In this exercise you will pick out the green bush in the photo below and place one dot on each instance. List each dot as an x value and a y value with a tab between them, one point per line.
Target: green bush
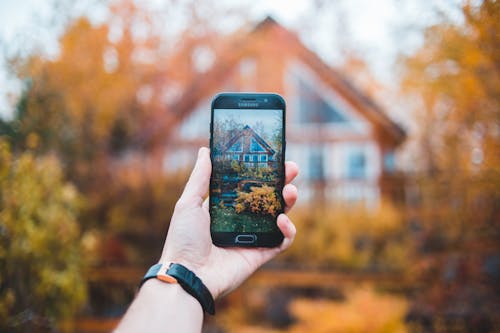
41	279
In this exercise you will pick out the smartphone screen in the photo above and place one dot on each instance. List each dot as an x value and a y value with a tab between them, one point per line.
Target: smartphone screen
247	171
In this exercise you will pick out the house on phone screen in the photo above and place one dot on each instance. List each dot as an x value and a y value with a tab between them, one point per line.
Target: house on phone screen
343	141
248	147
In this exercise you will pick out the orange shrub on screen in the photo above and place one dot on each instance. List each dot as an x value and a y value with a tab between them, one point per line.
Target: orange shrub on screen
260	200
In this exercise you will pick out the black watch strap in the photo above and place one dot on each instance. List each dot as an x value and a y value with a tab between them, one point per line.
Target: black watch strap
193	285
177	273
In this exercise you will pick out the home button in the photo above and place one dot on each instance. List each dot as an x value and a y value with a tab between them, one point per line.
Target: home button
245	239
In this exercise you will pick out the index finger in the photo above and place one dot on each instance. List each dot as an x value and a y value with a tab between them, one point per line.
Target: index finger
197	185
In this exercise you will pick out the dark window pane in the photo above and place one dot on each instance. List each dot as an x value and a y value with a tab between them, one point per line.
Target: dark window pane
316	171
236	146
357	165
389	162
255	146
314	109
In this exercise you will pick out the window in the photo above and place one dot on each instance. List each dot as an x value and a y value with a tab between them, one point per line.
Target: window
263	158
255	146
246	158
255	158
356	167
236	157
389	162
313	109
228	156
316	171
236	147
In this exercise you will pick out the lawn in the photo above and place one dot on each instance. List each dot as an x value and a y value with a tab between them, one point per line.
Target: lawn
227	220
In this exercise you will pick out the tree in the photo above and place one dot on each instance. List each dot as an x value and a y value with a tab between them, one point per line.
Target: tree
104	107
455	78
84	104
41	279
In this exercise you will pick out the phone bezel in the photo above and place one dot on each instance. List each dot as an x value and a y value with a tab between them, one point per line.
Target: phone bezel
262	101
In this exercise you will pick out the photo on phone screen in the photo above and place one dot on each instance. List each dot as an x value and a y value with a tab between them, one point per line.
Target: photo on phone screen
247	170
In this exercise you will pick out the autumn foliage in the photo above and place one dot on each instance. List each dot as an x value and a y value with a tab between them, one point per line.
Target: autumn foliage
260	200
84	123
454	79
41	262
373	239
363	311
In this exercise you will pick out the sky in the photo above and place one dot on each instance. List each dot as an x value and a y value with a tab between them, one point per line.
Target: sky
378	30
270	120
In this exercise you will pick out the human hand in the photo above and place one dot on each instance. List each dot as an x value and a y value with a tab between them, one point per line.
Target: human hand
189	241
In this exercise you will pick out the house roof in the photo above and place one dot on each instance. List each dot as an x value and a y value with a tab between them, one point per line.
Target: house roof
236	48
244	131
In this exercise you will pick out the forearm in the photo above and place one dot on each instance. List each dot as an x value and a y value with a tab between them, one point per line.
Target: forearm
162	307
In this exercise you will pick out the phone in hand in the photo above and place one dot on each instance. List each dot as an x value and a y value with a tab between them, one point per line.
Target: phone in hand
247	148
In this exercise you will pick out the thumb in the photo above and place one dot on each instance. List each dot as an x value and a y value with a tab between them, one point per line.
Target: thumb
197	185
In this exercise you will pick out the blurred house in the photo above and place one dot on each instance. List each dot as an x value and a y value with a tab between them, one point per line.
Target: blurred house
342	140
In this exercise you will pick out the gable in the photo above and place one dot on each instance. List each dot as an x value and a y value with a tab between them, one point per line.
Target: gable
247	140
316	103
260	144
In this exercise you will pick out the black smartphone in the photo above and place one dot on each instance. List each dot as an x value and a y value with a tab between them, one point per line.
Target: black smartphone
247	147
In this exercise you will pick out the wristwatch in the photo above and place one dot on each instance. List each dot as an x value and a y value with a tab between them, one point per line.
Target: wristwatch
177	273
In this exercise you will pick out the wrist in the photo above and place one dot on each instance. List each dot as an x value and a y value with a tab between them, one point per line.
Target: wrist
160	306
201	272
176	273
159	290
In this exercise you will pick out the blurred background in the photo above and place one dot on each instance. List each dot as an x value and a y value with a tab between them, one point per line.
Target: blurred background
393	116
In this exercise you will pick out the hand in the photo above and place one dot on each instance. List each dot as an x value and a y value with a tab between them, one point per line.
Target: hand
190	244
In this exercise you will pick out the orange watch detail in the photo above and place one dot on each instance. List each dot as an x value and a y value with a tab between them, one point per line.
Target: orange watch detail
166	278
